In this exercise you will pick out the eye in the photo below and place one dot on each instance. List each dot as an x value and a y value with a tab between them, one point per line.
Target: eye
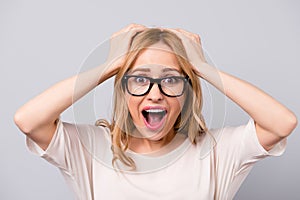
170	80
140	79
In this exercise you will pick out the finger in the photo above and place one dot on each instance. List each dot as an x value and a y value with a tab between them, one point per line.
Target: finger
183	34
134	28
195	38
191	35
131	28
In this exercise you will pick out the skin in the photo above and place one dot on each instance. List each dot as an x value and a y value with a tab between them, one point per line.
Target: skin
156	61
37	118
273	122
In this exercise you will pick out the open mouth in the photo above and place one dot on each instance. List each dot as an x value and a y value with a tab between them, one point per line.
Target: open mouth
154	117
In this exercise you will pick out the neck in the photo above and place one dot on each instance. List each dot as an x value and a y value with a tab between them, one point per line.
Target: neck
145	145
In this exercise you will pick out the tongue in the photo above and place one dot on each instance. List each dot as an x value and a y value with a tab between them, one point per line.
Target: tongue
154	118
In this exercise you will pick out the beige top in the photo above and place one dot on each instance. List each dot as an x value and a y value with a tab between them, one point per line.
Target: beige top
214	168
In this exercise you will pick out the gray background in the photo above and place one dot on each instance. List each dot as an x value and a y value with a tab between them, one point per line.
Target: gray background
42	42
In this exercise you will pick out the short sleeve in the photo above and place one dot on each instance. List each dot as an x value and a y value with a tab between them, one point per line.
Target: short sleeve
70	146
236	151
250	149
71	151
57	149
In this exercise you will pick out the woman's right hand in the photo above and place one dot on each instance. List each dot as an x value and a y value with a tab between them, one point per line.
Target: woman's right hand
119	46
37	118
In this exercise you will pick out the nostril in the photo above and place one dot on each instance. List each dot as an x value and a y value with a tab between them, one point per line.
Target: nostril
155	93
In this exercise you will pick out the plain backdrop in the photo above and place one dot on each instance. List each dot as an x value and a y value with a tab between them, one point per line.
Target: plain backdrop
43	42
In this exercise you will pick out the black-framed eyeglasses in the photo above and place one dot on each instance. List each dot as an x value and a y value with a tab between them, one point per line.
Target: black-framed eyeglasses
172	86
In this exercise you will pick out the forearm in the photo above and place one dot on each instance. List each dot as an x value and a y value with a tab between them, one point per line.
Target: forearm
47	106
265	110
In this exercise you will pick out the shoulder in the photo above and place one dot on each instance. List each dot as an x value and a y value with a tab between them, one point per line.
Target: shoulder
87	133
86	128
233	134
222	140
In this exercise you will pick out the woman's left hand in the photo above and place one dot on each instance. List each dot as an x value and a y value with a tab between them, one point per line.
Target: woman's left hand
193	48
272	123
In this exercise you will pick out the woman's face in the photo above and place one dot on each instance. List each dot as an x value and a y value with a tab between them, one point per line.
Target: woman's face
154	114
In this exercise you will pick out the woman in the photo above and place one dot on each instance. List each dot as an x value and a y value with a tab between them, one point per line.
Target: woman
155	144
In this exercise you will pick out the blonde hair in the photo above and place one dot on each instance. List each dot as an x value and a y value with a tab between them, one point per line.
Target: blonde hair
190	121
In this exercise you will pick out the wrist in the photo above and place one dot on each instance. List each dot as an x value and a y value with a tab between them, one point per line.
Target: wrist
203	70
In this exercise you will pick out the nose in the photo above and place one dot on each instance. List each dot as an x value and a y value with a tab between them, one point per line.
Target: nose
155	94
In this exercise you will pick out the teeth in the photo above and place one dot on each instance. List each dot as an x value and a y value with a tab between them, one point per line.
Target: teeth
155	111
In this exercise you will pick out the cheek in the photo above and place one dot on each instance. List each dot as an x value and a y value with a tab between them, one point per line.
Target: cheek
177	103
176	106
132	104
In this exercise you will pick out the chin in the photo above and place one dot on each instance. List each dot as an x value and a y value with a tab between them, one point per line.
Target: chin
157	135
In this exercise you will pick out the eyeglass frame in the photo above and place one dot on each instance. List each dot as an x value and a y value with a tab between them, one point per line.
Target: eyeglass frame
152	82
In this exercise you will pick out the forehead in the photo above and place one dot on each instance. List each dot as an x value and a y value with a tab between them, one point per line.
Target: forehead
157	55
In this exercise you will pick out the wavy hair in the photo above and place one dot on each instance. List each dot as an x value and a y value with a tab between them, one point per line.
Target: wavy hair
190	121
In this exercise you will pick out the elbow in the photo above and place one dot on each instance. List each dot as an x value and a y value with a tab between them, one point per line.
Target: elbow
294	122
20	121
290	124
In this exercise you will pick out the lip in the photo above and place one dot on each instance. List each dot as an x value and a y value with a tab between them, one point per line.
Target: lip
154	107
159	125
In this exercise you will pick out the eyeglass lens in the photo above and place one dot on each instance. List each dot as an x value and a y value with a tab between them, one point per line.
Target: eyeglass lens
171	86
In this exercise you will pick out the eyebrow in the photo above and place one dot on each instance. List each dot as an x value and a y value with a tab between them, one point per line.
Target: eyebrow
148	70
170	69
141	70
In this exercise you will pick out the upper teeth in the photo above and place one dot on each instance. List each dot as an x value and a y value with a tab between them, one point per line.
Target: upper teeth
155	110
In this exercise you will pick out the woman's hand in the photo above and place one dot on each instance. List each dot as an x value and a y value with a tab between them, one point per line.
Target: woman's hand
38	117
119	45
193	48
273	122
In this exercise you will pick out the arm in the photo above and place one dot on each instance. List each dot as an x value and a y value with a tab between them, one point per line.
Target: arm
37	118
273	121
